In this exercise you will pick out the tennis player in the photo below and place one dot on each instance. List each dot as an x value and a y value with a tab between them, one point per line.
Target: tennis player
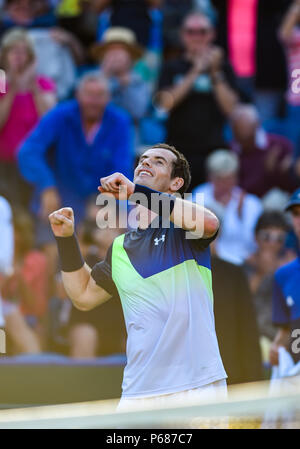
163	280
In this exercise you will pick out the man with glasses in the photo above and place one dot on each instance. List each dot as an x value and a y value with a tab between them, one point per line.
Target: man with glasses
270	236
286	296
197	92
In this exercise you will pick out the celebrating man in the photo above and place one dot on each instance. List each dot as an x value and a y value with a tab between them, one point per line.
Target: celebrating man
163	280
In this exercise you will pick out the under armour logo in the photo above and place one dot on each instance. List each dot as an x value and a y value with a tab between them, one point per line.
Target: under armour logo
290	301
156	240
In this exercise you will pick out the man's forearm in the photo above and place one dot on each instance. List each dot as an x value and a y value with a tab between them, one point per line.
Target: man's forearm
184	214
75	284
75	272
289	22
169	98
194	218
225	95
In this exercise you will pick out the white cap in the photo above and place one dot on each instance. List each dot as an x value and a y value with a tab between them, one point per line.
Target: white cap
222	162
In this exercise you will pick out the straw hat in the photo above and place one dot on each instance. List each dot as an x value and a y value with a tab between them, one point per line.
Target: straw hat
117	35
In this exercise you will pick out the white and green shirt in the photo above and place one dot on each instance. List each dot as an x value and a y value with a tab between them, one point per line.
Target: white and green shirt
165	285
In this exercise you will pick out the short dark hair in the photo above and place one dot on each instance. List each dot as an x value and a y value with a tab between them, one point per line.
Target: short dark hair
181	167
198	13
271	219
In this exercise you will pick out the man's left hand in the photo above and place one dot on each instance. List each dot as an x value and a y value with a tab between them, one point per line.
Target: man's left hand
117	185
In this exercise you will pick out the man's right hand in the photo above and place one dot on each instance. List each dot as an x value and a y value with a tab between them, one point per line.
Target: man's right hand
62	222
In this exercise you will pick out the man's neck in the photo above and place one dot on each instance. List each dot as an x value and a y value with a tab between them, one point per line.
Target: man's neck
90	124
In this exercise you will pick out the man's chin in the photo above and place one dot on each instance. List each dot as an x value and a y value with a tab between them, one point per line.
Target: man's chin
144	181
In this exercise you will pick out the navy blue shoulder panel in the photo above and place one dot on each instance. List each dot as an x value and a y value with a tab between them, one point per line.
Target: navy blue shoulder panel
152	251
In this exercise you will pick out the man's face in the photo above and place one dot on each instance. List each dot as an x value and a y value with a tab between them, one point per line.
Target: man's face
295	212
223	183
154	171
117	59
271	239
197	33
93	97
21	10
244	130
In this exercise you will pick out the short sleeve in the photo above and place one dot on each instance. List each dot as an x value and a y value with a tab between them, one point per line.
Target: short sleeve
280	311
101	273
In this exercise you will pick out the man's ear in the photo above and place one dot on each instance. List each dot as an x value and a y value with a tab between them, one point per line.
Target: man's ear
176	184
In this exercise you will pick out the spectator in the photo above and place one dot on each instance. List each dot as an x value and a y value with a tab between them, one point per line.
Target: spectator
236	325
266	160
78	18
28	97
132	14
270	233
197	92
237	210
91	139
27	14
7	247
289	33
58	52
286	296
17	331
173	11
116	56
27	289
247	30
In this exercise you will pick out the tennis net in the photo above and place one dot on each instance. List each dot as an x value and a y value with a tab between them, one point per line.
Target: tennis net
248	406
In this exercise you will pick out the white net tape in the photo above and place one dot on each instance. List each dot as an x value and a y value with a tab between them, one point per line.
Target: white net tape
248	406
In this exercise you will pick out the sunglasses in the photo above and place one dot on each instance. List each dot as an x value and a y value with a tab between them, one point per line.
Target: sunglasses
196	31
268	236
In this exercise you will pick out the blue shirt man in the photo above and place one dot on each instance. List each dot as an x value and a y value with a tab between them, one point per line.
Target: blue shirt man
90	138
286	296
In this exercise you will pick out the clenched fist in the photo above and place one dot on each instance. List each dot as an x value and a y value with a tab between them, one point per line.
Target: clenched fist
62	222
117	185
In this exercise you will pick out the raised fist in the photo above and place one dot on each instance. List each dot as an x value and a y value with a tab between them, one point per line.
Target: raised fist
117	185
62	222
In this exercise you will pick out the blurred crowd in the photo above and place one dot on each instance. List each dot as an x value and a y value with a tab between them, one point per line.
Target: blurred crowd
86	86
